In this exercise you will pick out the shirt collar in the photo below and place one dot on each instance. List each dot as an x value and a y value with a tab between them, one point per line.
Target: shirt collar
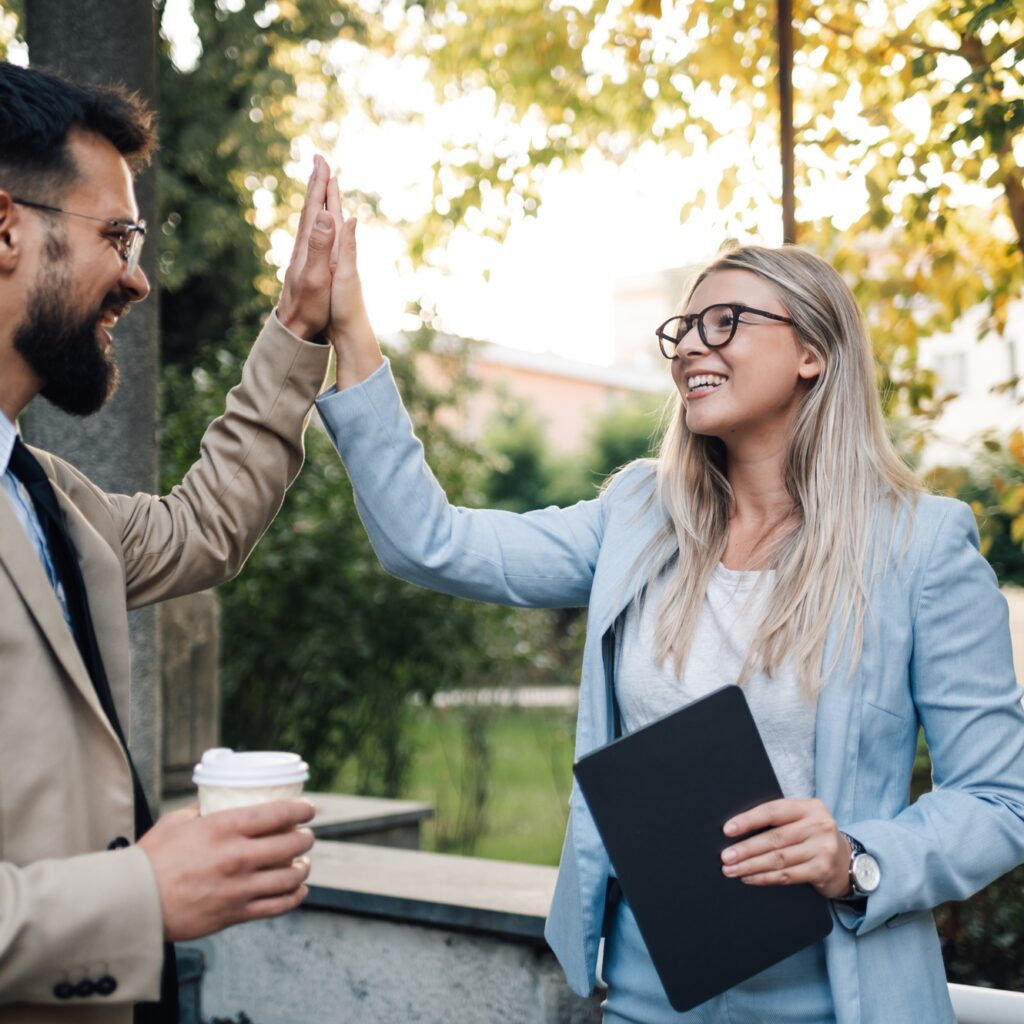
8	432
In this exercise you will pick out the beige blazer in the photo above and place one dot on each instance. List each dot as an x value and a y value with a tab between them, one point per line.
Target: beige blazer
70	908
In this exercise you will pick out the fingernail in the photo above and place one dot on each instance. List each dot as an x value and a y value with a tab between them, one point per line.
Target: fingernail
323	221
730	828
729	870
729	856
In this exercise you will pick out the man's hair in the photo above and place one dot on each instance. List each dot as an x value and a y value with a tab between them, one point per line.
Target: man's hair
38	111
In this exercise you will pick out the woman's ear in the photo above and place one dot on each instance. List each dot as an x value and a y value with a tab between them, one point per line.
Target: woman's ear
810	365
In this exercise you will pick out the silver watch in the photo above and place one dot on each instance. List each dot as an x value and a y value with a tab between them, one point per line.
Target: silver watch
865	874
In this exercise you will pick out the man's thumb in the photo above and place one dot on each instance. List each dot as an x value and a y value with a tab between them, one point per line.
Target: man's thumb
321	238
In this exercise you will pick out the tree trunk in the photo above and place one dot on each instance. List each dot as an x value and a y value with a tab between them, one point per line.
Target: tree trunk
99	42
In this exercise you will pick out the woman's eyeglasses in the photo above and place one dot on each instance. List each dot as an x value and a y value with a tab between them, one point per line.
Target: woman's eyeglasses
716	326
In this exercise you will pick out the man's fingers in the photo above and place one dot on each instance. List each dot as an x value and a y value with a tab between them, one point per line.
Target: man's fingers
279	881
321	238
316	197
265	819
273	906
271	851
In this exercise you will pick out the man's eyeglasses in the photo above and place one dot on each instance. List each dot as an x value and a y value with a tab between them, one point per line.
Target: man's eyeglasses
716	326
128	237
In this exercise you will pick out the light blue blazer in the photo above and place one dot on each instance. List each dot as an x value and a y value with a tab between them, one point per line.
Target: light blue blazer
936	654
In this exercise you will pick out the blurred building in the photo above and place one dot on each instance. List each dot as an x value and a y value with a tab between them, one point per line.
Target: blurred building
984	374
566	395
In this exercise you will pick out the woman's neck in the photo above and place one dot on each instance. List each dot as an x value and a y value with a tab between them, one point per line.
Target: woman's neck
762	509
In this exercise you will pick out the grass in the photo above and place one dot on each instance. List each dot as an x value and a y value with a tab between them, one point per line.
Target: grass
499	780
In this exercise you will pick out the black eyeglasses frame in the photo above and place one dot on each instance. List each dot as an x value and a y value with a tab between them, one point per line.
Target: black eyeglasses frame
669	343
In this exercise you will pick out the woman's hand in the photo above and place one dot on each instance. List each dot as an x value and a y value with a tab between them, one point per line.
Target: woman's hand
349	330
801	844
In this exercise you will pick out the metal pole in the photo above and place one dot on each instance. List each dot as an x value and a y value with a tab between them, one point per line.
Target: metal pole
785	34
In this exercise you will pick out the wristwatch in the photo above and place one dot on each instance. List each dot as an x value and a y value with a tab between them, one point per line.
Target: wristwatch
865	874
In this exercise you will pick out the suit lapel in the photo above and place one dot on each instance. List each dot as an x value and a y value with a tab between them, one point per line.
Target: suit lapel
29	578
102	575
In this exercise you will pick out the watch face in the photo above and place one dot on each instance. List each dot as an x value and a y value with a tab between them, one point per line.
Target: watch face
866	873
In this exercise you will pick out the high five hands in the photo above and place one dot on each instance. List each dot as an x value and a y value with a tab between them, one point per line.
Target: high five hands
322	294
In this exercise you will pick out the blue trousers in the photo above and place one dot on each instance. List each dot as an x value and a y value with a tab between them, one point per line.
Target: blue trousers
794	991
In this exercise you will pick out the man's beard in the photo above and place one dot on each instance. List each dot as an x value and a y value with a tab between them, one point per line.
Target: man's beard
61	346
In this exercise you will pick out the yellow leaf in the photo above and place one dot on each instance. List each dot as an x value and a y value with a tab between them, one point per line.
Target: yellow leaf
1012	500
1016	446
1017	530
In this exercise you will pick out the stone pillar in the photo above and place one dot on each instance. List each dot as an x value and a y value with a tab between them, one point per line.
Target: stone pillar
190	634
97	41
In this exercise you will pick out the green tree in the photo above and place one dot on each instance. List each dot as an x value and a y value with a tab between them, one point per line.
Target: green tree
918	109
321	648
519	477
993	485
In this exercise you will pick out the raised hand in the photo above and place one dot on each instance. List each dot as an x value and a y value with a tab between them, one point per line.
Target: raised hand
801	844
306	297
232	866
349	330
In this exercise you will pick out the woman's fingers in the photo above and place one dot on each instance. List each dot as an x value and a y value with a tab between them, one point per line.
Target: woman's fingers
800	844
335	209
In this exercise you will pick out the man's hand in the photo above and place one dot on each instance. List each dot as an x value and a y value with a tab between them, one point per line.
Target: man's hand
306	298
229	867
801	844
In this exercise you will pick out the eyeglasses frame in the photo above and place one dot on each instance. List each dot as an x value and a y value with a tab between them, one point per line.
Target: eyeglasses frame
129	244
690	318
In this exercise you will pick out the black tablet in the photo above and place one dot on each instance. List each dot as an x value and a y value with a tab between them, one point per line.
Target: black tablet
660	797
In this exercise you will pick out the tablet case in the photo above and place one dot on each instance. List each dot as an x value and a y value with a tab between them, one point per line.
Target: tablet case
660	797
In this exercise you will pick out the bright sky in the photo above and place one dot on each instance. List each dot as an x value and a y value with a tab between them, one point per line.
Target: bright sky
549	286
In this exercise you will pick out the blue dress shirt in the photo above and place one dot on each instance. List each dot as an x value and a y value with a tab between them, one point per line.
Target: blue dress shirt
25	511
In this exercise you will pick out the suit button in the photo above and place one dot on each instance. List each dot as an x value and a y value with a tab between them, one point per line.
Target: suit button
64	990
85	988
106	986
118	843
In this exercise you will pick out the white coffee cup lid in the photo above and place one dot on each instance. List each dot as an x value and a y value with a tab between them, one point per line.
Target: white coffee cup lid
223	766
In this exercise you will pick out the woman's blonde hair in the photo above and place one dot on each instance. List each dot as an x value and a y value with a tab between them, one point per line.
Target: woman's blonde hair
840	469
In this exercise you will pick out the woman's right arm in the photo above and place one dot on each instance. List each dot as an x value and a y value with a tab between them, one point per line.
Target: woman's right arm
540	559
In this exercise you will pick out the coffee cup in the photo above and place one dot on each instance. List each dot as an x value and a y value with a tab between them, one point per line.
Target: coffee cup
229	778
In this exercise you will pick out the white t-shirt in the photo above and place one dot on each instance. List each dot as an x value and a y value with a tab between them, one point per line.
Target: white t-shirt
729	616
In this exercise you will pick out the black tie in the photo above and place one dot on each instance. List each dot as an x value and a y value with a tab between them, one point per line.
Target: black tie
25	467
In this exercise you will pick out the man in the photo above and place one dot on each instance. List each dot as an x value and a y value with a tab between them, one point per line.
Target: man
85	911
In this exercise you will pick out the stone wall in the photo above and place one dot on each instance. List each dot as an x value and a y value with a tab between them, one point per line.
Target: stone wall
391	936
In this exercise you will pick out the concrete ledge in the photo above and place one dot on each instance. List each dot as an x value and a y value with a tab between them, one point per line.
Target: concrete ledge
974	1005
458	893
370	819
390	935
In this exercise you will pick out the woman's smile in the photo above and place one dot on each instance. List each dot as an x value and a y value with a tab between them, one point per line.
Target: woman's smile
702	384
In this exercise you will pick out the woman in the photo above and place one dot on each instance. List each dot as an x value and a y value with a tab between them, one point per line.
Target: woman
777	542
